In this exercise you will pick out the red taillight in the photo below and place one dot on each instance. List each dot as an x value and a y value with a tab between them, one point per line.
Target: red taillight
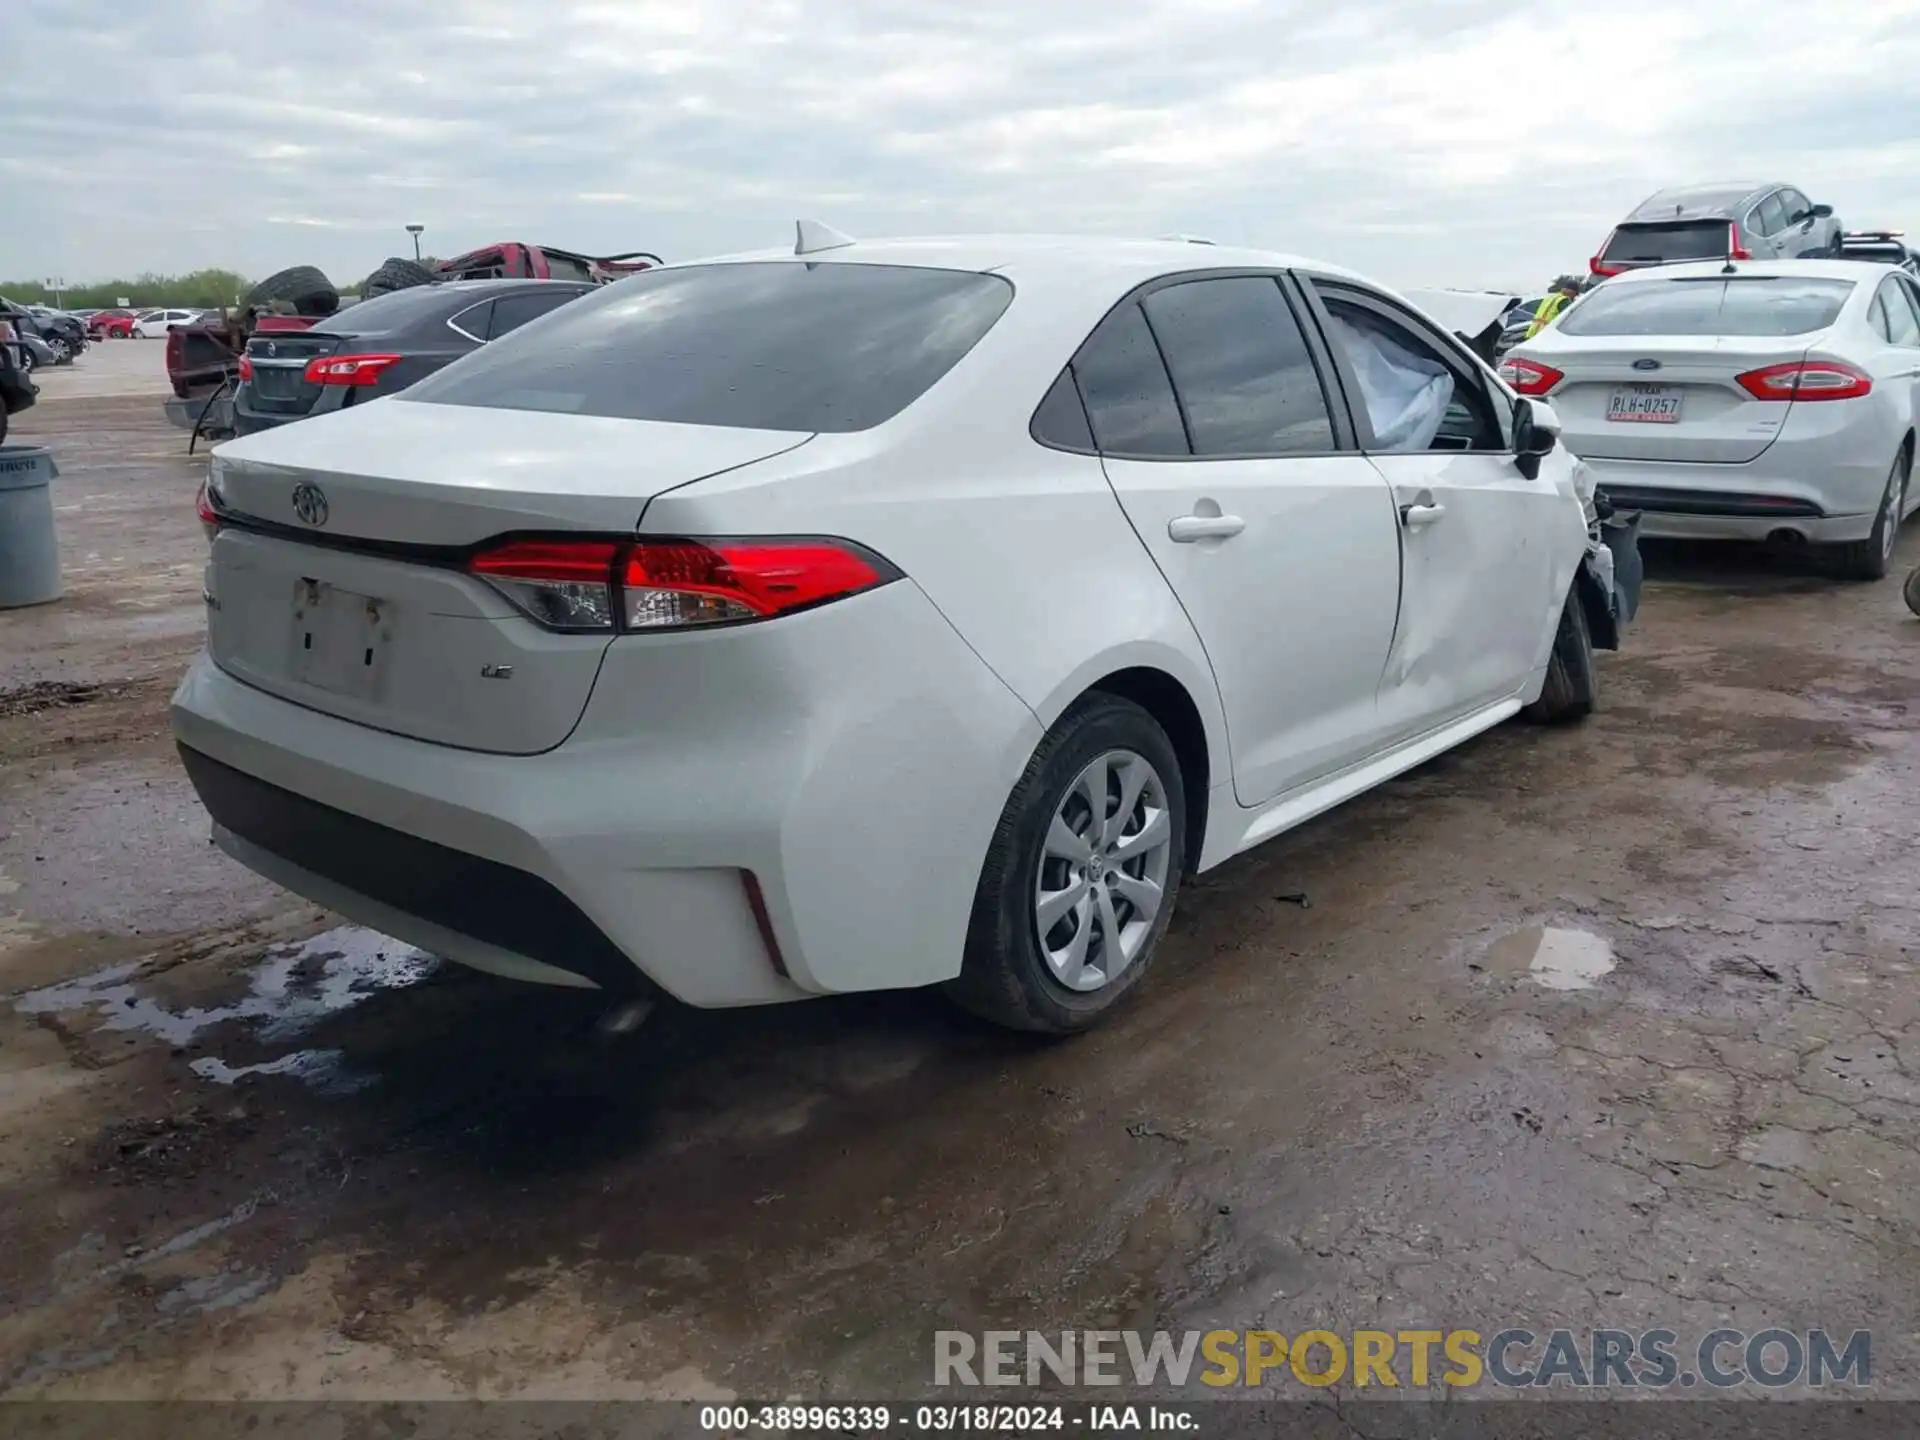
1599	264
691	582
246	367
564	584
347	369
1803	380
1529	377
1735	250
673	584
203	507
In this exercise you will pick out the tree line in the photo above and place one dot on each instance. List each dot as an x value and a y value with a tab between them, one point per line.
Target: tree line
198	290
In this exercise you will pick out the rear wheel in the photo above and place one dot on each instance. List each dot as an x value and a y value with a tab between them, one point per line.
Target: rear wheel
1080	880
1573	681
1868	559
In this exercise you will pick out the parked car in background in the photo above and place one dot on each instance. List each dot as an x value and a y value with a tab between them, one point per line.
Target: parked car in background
382	345
1778	402
17	390
1731	221
111	324
59	337
155	324
1880	247
470	671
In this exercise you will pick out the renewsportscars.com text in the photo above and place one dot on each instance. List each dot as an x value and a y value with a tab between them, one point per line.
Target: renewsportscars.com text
1509	1358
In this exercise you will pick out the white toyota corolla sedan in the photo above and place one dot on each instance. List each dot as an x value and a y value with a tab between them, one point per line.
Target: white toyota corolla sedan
872	615
1744	401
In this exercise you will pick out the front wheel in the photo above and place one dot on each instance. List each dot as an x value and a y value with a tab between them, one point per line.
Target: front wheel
1080	879
1573	680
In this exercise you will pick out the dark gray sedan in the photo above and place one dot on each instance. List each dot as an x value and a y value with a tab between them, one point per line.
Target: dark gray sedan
382	345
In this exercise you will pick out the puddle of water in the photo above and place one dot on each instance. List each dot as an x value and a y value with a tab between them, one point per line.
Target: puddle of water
324	1070
204	1293
294	988
1554	958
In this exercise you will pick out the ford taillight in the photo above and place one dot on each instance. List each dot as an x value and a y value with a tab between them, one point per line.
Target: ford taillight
650	585
1804	380
1529	377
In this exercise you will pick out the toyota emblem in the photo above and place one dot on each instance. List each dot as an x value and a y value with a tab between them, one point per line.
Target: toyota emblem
310	503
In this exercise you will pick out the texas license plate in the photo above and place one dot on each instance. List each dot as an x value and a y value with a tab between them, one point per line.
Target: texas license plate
338	640
1645	405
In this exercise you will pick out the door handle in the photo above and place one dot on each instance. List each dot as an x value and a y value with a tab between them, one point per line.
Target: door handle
1185	529
1418	517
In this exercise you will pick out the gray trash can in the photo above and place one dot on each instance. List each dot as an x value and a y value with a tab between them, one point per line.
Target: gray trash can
29	548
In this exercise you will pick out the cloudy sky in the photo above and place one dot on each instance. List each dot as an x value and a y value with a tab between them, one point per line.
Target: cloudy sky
1467	142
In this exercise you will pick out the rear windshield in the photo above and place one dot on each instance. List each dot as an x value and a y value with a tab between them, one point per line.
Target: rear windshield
776	345
1749	305
1663	244
394	310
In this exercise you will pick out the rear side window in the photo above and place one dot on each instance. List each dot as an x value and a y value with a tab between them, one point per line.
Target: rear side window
1240	367
1664	244
1902	326
779	345
1753	305
1772	215
1129	396
510	312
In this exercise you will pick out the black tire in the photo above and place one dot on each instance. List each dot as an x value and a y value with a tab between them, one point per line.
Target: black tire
304	287
1868	559
62	351
397	273
1004	977
1910	592
5	420
1573	681
27	362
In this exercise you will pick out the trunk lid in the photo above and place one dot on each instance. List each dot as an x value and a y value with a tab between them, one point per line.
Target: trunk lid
279	362
1613	377
372	619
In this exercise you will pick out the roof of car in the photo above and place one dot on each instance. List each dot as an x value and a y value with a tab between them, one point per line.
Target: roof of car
1688	202
1711	269
1042	256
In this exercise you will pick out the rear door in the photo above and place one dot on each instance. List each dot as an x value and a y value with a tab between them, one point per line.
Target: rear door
1900	302
1478	538
1238	472
1781	239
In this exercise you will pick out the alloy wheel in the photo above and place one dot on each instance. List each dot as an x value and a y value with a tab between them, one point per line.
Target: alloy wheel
1103	870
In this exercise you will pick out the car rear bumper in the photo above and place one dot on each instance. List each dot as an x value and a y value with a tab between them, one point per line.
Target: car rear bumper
212	413
1784	490
853	765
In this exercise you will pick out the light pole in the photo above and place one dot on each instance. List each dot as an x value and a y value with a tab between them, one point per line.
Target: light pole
414	231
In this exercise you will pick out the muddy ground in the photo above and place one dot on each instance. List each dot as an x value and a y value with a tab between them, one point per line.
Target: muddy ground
1364	1109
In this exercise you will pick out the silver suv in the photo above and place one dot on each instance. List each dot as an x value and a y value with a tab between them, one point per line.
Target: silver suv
1730	221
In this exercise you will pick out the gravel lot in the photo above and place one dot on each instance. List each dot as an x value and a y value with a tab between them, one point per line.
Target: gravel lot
1347	1100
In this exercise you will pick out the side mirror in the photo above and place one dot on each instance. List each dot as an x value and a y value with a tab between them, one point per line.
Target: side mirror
1536	430
1822	212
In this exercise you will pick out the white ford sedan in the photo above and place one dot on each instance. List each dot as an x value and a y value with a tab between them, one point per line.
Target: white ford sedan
876	615
1772	401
